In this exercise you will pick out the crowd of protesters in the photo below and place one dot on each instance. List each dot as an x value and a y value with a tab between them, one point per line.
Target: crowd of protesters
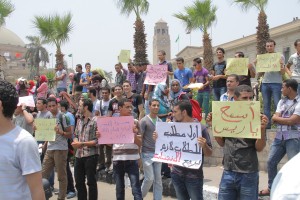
81	98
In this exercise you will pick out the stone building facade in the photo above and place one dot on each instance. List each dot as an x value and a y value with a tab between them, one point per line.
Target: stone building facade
284	36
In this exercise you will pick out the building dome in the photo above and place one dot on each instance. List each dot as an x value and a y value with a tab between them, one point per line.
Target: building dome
10	38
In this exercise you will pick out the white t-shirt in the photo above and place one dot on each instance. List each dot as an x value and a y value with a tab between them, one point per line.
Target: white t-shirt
286	184
18	157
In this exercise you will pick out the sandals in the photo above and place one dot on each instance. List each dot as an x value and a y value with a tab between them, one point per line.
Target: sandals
265	192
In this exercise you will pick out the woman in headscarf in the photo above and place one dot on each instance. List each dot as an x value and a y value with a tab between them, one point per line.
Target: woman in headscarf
31	89
161	94
42	91
176	93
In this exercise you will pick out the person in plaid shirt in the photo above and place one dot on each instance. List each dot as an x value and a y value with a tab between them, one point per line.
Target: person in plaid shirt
87	153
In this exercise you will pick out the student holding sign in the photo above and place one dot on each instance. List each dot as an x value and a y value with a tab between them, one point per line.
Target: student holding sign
245	80
188	182
152	170
271	83
240	175
125	159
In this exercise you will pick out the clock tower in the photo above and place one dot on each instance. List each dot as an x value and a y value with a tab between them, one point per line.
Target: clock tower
161	40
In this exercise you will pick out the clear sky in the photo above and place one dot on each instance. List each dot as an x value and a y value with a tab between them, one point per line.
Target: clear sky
100	31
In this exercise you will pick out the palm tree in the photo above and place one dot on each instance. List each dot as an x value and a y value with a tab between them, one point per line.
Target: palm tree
140	44
56	30
6	8
262	33
36	53
201	15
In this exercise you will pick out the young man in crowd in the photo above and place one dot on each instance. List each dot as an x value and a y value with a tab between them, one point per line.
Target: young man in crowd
96	102
201	75
162	61
104	103
183	74
271	83
77	88
20	168
57	151
152	170
231	83
287	140
136	100
86	77
246	80
113	108
125	159
61	78
294	60
120	75
218	74
240	175
87	152
132	76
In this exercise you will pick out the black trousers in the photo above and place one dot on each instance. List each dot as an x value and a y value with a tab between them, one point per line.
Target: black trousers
86	167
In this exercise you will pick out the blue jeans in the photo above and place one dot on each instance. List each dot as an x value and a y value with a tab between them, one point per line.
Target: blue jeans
218	92
130	167
203	100
268	91
187	188
152	175
278	149
298	90
235	185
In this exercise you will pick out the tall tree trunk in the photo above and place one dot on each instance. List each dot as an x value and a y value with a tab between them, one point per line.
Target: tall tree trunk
59	56
207	51
140	43
262	34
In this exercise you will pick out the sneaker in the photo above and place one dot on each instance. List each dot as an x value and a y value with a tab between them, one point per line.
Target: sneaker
71	195
55	190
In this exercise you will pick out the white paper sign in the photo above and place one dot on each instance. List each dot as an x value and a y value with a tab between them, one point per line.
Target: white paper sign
27	100
177	144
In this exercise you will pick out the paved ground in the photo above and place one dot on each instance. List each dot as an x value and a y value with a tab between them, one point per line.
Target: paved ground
211	180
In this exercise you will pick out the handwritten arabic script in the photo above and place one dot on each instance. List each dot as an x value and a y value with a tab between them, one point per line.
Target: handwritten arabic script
239	119
268	62
177	144
156	74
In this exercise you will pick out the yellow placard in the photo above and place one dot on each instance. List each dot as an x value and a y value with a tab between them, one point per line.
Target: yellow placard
237	119
269	62
238	66
124	56
45	129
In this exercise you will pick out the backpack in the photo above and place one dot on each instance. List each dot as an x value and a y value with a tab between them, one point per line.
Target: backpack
196	109
70	147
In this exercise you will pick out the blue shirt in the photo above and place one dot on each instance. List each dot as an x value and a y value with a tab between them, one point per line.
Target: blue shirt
183	76
84	80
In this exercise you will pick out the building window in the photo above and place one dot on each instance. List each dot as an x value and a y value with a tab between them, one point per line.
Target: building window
158	31
286	53
163	31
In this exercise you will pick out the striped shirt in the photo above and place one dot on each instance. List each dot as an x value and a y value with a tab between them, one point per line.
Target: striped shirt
85	132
